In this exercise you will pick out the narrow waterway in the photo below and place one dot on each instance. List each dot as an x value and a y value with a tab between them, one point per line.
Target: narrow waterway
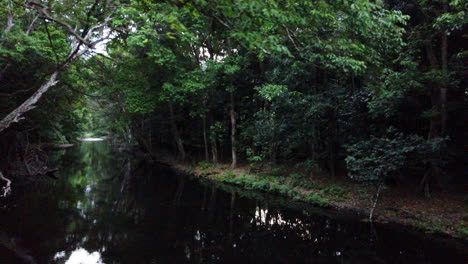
108	208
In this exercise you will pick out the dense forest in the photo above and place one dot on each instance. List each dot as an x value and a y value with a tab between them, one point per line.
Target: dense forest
369	91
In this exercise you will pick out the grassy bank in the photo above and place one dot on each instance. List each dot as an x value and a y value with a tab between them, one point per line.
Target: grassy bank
443	213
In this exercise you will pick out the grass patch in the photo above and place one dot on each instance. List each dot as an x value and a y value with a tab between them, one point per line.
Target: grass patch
273	184
335	190
317	199
462	232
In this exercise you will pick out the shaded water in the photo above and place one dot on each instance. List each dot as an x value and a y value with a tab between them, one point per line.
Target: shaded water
106	208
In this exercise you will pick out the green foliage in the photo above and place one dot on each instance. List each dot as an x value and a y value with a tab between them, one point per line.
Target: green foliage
311	83
205	165
316	198
216	132
309	165
271	91
255	159
379	158
334	190
463	232
385	157
226	176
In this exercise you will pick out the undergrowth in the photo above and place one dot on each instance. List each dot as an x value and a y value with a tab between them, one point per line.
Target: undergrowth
292	186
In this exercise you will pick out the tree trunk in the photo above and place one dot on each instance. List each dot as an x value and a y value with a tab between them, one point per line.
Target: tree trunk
232	114
374	204
434	127
175	132
443	89
10	22
205	139
214	151
439	109
331	143
214	143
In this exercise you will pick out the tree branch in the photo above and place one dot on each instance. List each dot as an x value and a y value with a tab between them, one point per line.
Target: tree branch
30	27
44	10
77	50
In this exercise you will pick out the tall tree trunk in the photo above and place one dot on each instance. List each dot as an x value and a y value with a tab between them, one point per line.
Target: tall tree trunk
443	88
439	108
214	143
175	132
434	127
205	139
331	143
232	114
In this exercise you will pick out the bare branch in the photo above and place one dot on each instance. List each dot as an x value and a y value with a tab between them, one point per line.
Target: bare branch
30	27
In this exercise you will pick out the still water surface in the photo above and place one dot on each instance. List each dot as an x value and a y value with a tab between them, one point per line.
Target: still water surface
107	208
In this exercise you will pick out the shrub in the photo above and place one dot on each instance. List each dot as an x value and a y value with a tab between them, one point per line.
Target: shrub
205	165
335	190
262	185
300	180
275	171
317	199
228	175
384	157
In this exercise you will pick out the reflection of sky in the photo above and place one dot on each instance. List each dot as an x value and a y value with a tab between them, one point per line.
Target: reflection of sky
91	139
80	256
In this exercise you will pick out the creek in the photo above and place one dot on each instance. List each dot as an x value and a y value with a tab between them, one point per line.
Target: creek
106	207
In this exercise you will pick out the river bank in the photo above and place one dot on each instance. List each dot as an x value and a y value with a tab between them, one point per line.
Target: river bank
444	213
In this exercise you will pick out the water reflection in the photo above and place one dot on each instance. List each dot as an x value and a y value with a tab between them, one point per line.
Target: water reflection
92	139
107	208
79	256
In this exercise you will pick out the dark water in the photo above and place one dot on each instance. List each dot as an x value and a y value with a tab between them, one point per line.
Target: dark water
108	209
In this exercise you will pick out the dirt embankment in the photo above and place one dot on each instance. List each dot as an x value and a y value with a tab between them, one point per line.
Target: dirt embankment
444	212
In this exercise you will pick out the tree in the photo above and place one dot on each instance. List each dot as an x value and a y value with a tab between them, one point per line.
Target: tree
80	39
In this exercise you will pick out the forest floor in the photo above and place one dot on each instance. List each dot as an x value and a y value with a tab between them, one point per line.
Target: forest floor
444	212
